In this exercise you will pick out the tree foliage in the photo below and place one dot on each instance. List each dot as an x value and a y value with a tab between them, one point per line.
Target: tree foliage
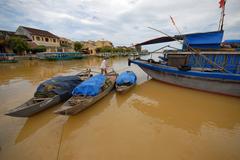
78	46
17	44
40	48
104	49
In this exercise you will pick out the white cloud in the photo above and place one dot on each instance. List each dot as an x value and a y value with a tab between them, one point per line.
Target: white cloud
123	22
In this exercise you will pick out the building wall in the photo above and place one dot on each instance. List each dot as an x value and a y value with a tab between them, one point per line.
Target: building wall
46	41
66	45
103	44
91	46
51	44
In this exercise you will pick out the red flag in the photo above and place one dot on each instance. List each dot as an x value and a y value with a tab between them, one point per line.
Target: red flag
221	3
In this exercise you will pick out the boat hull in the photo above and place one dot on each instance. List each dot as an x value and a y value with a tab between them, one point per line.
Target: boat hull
62	58
68	109
204	83
30	108
123	89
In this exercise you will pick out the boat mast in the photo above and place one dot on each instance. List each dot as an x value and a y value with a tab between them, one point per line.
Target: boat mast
222	5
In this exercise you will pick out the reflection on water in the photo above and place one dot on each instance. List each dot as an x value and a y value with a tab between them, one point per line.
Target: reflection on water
192	110
152	121
36	122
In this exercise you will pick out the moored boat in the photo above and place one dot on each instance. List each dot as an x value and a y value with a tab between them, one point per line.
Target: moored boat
7	58
203	63
48	94
210	80
87	97
60	55
125	81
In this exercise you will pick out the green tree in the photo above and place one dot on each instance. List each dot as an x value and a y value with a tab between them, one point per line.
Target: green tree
40	48
78	46
3	44
106	49
17	44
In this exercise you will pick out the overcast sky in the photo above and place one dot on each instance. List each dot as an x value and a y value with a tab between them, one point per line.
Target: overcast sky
121	21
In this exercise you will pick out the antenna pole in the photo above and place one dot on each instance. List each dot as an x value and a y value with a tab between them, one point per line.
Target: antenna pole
173	22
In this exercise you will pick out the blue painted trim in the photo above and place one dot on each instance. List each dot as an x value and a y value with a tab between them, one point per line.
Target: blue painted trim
163	68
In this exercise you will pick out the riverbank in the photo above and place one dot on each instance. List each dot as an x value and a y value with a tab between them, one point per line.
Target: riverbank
107	54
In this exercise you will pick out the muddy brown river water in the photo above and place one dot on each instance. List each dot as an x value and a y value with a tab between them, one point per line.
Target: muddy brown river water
152	121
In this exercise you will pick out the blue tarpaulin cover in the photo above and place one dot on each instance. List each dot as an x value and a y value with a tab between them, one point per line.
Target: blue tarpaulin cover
90	87
127	77
208	40
61	85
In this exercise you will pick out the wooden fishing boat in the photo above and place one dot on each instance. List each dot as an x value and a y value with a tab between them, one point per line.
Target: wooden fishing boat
205	80
36	104
124	88
33	106
203	63
78	103
125	81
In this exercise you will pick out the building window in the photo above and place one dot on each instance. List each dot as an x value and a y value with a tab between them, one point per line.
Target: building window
54	40
33	38
46	39
38	38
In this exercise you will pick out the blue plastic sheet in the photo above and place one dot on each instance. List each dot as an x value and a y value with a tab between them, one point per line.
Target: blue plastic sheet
61	85
127	77
90	87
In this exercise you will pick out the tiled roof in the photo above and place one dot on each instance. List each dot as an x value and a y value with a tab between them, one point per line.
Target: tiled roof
3	32
39	32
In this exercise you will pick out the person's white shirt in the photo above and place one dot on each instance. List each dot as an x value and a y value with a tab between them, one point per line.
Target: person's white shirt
103	64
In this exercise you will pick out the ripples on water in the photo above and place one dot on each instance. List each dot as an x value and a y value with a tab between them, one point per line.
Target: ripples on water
152	121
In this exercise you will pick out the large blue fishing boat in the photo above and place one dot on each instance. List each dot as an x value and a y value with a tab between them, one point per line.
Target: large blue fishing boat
60	55
201	64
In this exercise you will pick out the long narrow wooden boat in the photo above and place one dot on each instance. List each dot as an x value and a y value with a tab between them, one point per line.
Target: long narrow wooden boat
77	104
33	106
36	104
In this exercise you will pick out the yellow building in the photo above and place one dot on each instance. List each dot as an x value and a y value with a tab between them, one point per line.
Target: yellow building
66	45
40	37
91	46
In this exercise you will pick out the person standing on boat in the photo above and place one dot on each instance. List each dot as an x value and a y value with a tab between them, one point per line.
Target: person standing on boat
104	65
